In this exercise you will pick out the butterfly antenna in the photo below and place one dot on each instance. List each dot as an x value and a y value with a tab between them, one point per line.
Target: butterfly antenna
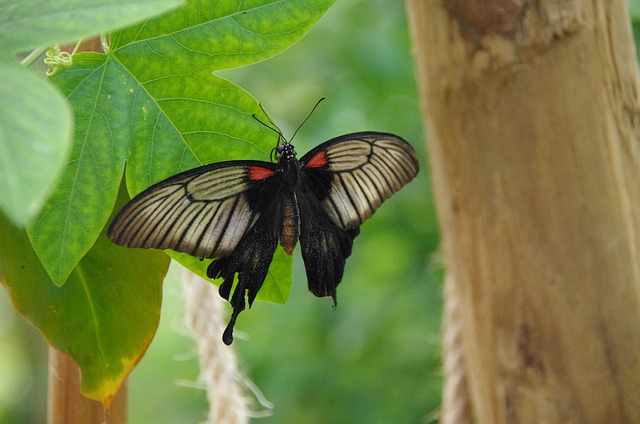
271	125
273	128
307	118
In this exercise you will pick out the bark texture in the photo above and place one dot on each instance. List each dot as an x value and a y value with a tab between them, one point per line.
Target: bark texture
532	116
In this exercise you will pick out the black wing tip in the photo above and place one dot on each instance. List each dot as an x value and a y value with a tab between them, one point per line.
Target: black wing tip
326	292
227	336
324	289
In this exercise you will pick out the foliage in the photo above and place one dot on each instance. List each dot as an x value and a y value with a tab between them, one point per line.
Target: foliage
151	99
96	317
35	123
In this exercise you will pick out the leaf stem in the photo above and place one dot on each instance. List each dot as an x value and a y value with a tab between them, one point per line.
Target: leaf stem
35	53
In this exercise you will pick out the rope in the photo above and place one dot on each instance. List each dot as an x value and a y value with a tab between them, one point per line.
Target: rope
456	405
226	384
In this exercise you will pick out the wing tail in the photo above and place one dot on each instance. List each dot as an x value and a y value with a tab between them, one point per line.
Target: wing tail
250	260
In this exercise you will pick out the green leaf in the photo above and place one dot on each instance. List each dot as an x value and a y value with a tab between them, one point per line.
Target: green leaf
104	317
75	213
35	120
35	123
154	101
27	24
202	38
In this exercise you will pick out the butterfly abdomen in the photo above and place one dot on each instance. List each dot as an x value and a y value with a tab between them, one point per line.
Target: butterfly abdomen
290	225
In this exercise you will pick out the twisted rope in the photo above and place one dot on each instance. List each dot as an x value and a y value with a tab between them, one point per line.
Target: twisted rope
226	384
456	404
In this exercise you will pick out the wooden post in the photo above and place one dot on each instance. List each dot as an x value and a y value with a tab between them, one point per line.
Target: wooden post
532	117
67	406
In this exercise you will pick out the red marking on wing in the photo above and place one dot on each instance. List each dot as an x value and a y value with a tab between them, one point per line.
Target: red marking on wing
257	173
318	161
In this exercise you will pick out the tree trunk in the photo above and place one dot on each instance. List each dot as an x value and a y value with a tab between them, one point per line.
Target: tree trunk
67	406
532	117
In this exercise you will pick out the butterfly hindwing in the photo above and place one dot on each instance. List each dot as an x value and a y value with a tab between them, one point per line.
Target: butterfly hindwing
343	182
353	174
250	261
203	212
325	249
251	258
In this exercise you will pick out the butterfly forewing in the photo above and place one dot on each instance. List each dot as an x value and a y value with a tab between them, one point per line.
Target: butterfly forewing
353	174
203	212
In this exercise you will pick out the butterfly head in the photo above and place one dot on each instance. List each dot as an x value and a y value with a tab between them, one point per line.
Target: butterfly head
285	152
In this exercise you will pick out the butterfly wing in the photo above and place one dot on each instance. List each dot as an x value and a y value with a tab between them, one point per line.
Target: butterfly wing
224	211
325	246
251	261
353	174
343	181
203	212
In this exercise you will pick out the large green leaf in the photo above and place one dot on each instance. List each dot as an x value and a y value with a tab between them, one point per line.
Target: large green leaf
153	100
106	314
35	126
198	39
35	120
26	24
81	203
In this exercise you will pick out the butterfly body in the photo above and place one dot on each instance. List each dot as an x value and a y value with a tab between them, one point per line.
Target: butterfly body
289	219
238	211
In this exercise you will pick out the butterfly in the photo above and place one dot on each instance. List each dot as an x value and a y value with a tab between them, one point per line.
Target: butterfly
237	211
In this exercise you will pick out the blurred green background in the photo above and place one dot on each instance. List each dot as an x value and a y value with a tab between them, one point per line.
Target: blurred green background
375	359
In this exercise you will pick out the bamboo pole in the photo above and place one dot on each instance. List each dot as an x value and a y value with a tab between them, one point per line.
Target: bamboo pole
532	117
66	405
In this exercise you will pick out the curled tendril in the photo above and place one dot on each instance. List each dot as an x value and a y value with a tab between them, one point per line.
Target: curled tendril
55	59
